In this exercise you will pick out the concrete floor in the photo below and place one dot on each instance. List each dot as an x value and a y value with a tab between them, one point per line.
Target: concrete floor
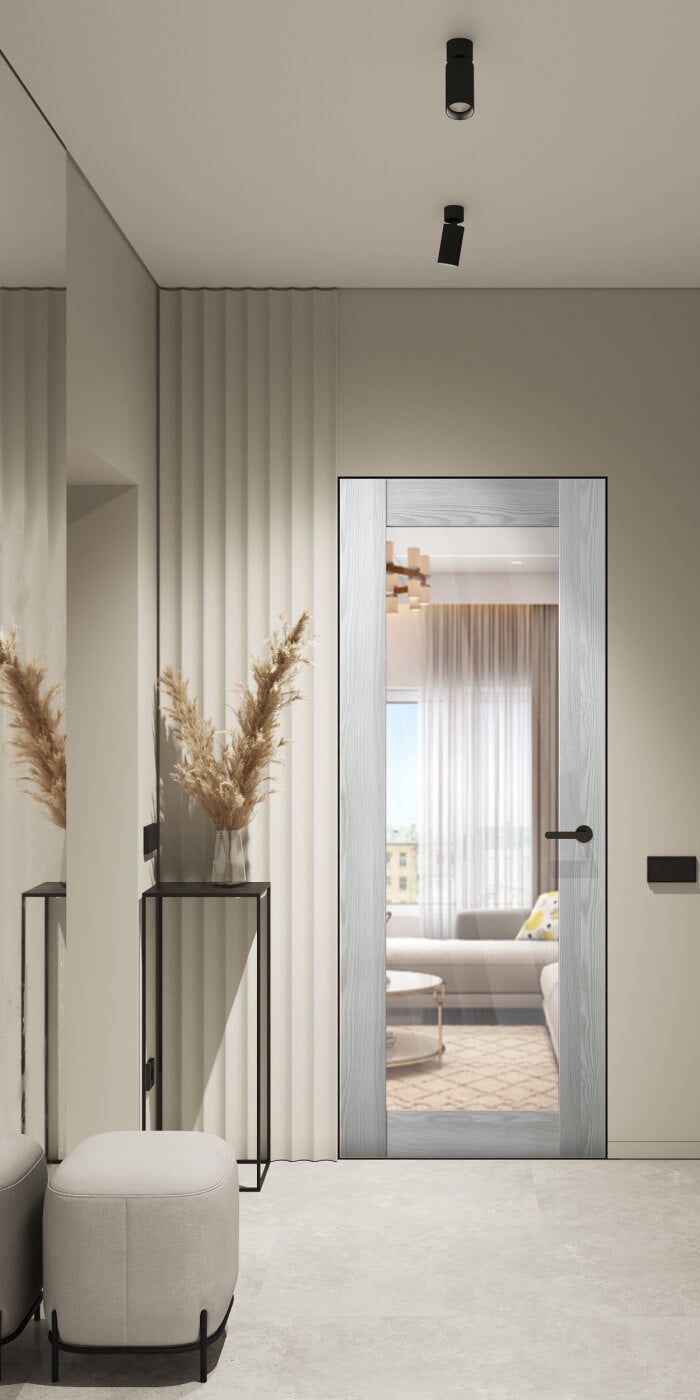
432	1280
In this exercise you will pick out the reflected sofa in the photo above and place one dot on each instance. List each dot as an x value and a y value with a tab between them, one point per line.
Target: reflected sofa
483	965
549	982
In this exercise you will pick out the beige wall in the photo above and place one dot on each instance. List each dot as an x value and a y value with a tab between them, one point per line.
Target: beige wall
112	661
566	384
102	985
112	337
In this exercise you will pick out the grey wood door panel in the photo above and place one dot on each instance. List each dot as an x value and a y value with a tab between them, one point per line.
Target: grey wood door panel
516	501
362	707
472	1134
582	882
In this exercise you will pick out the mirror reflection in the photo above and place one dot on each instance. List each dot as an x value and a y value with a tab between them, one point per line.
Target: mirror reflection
472	774
32	610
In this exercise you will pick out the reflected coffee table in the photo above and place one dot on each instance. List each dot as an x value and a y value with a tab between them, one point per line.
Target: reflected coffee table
414	1045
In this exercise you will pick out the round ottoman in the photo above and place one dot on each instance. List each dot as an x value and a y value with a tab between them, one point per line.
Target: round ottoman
22	1187
141	1244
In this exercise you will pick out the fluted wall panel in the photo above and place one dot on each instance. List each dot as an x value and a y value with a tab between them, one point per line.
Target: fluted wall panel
247	533
32	595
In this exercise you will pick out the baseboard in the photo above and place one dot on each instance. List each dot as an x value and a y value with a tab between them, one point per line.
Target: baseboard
654	1150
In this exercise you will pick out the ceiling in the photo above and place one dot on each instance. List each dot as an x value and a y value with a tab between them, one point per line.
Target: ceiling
492	550
257	142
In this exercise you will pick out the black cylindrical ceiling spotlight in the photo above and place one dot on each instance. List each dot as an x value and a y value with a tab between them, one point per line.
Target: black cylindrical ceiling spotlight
459	79
452	235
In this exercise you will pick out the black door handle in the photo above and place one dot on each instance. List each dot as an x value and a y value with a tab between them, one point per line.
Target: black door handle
582	833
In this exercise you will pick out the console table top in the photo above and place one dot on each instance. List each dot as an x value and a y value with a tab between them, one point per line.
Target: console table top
203	889
50	889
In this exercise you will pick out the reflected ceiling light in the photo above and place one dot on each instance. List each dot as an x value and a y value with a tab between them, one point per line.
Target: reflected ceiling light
459	79
409	582
452	235
516	561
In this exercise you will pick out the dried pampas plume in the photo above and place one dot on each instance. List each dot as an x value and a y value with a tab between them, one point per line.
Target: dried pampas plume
228	773
38	741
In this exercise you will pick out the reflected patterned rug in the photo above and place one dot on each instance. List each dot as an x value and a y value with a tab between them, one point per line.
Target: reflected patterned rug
483	1067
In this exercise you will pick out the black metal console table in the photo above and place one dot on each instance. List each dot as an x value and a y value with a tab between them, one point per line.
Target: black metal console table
48	891
152	1074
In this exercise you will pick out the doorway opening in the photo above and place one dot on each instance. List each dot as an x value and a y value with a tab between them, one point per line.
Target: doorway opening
472	817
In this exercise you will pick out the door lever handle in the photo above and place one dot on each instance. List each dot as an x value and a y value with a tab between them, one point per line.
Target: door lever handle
582	833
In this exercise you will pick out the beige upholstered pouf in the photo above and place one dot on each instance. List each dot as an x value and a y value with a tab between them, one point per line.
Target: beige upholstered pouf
141	1243
22	1187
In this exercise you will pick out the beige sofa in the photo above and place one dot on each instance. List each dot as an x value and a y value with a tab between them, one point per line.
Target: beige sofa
483	965
549	982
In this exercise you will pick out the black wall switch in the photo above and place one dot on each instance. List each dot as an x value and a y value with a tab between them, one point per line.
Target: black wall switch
672	870
150	840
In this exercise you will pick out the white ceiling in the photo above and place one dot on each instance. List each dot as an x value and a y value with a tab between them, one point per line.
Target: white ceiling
482	551
303	142
33	193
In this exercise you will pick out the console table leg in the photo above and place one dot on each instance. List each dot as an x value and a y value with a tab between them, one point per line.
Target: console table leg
23	1018
144	1011
54	1349
202	1347
159	1014
46	1027
258	1031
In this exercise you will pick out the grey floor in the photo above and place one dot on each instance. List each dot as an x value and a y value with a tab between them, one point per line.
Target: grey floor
491	1280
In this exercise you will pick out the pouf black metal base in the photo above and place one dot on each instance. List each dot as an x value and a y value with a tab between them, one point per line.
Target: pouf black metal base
203	1341
34	1312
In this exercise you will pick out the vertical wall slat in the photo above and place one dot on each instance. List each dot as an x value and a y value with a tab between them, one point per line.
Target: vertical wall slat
324	707
258	469
213	681
278	532
169	591
191	653
235	591
299	775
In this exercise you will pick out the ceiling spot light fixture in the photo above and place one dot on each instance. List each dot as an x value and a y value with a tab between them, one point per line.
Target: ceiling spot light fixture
452	235
459	79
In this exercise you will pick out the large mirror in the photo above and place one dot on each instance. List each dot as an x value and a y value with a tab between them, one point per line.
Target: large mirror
472	780
32	613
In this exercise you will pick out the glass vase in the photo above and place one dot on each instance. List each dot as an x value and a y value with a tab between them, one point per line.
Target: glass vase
228	865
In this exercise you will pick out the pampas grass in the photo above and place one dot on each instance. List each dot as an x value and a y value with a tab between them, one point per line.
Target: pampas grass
38	741
228	772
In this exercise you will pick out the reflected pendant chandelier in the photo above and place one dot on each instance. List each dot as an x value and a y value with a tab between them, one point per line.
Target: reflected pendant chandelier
407	585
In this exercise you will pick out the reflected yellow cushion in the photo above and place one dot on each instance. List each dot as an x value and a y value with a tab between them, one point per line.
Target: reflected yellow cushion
543	923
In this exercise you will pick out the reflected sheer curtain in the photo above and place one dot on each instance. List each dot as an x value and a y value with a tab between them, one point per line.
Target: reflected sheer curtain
488	758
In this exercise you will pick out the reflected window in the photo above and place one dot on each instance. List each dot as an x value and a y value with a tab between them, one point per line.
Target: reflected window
402	759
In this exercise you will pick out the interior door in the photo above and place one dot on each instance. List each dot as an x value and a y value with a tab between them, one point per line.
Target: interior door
449	997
